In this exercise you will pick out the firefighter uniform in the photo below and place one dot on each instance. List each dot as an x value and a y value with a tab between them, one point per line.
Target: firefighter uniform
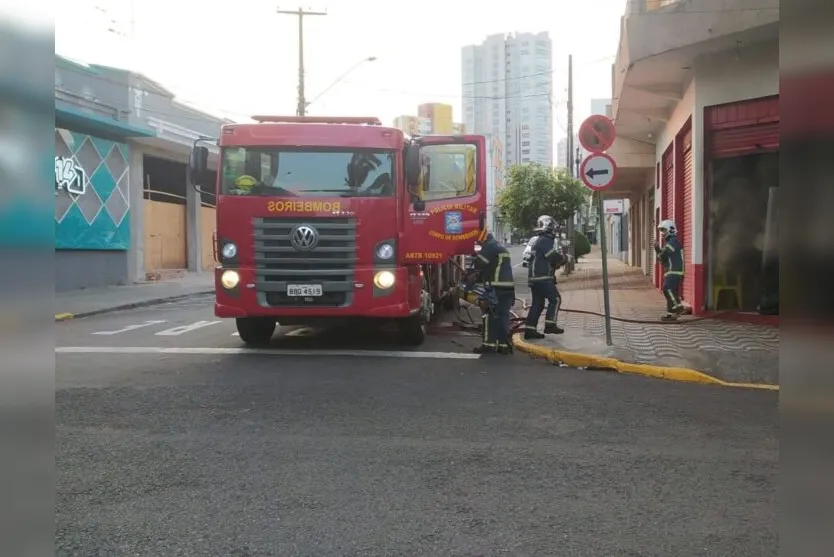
493	262
544	259
671	257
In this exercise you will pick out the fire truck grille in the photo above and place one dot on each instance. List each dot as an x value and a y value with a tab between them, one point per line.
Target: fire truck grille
305	263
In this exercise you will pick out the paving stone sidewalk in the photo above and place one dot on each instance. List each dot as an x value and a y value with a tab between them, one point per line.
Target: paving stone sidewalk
90	301
728	350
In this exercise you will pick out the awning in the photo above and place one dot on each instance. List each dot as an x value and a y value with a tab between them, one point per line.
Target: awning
70	116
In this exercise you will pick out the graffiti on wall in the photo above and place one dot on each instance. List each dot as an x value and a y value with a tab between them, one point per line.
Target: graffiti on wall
69	177
92	195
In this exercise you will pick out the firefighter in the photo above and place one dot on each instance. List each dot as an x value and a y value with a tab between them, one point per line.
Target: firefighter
493	262
543	259
670	255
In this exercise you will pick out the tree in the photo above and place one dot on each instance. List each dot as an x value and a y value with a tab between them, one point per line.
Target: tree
533	190
581	245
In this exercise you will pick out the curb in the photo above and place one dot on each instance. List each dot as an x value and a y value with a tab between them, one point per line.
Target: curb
135	305
575	359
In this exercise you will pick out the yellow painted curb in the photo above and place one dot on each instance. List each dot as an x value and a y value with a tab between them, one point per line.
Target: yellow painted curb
576	359
63	316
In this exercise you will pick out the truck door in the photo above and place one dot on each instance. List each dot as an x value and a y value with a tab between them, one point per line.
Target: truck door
446	210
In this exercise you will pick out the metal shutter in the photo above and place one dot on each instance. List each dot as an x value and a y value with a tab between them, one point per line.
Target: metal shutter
666	196
743	128
685	232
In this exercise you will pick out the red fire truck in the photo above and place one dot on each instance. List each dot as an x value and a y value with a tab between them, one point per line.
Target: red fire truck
325	220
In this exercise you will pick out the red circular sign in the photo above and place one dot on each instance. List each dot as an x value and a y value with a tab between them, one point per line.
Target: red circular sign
597	133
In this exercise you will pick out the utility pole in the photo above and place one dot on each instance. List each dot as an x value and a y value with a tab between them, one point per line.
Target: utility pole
300	13
571	238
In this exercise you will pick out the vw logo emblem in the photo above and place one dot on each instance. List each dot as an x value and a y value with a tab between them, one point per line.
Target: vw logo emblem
304	238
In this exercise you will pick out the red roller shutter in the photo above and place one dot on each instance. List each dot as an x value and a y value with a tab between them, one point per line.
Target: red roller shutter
743	128
667	199
686	235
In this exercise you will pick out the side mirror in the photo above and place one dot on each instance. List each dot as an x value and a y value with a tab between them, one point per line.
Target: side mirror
198	162
412	164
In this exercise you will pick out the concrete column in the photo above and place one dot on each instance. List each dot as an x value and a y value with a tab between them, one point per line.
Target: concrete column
193	231
136	254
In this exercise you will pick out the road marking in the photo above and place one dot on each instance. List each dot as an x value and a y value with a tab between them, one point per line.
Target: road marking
264	351
129	328
177	331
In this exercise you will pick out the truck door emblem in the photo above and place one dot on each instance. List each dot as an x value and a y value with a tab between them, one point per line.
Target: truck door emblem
304	238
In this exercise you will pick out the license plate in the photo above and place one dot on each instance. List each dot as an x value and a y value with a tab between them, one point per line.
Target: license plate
304	290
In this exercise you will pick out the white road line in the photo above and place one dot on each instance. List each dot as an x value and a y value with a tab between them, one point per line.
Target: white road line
176	331
264	351
129	328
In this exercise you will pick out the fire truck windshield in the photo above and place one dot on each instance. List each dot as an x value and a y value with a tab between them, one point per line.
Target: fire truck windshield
307	172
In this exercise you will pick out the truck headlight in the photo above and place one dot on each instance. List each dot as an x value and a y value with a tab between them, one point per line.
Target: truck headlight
229	279
385	251
229	251
384	280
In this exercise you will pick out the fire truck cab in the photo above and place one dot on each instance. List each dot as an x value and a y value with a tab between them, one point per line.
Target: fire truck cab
325	220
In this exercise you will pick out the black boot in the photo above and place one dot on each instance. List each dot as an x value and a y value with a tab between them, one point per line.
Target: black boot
553	330
484	349
504	349
532	334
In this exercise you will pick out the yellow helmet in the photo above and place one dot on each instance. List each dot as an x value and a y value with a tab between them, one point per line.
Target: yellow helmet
245	182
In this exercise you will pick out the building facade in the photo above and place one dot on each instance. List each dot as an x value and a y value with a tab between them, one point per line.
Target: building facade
440	116
507	92
696	106
123	211
413	125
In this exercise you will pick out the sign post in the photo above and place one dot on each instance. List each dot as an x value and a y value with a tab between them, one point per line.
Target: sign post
598	171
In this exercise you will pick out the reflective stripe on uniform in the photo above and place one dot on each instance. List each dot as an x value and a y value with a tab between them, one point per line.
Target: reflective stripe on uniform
501	258
551	252
546	277
482	258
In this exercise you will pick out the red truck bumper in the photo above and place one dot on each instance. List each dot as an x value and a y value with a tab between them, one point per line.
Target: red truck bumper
399	301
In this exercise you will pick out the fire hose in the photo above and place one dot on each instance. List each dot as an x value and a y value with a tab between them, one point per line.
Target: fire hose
477	295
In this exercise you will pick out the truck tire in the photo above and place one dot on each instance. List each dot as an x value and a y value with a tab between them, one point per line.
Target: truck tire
412	330
255	331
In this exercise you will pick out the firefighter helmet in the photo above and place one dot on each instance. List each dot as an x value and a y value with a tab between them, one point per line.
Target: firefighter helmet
667	227
245	182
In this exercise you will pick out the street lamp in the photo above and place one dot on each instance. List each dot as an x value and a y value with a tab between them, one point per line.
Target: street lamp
340	78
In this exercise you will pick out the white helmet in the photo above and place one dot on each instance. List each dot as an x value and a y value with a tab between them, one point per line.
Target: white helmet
667	227
545	223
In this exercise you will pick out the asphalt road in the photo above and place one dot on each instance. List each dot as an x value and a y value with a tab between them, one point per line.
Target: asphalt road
164	448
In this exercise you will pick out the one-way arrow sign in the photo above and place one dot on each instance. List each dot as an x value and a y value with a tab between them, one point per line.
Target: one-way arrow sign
598	171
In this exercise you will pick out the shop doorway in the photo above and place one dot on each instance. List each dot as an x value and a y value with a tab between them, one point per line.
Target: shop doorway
742	252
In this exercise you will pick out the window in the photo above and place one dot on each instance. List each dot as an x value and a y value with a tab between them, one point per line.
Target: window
447	171
307	172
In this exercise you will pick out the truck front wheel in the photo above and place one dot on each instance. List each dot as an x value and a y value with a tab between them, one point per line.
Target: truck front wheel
412	330
255	331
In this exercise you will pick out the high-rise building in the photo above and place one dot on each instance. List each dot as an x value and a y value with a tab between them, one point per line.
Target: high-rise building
440	116
508	92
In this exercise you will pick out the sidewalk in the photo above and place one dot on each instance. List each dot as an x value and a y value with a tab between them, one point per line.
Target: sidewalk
92	301
729	351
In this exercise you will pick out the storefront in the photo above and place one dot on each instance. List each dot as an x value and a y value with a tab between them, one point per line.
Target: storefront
92	199
741	155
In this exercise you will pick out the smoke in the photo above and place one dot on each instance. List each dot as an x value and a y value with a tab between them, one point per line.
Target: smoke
739	212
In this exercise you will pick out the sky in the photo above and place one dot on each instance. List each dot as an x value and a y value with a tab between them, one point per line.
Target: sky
236	59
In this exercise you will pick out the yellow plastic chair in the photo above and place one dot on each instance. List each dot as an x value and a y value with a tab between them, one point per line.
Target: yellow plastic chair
722	286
